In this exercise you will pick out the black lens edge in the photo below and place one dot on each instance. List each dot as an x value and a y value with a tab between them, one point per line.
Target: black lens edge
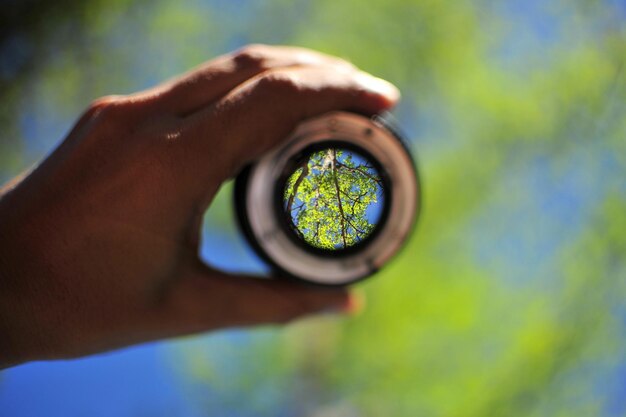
384	120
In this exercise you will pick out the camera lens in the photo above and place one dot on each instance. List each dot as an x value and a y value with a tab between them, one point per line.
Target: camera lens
333	198
334	203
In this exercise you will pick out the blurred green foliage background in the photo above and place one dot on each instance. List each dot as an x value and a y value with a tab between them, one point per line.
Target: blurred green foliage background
509	300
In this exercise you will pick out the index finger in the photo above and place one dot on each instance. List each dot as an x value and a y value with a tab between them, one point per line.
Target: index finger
210	81
262	112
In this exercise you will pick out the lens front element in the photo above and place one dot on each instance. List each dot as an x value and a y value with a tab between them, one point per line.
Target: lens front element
334	199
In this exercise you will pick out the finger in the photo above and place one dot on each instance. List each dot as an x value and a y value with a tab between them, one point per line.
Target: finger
200	86
263	111
205	299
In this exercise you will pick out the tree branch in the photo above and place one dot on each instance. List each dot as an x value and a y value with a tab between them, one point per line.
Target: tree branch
296	185
370	176
343	220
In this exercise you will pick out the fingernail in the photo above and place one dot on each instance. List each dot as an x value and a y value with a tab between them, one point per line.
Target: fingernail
353	305
379	86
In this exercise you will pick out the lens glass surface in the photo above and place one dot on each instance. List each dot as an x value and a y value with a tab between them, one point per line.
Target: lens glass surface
333	199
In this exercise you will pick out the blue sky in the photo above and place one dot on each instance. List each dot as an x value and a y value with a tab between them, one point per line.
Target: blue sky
150	381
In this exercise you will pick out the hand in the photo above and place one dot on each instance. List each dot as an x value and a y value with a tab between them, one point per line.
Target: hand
99	244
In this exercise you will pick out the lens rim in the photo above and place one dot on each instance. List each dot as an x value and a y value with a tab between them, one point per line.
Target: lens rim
256	206
285	218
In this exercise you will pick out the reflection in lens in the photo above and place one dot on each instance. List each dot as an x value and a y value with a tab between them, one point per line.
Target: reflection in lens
333	199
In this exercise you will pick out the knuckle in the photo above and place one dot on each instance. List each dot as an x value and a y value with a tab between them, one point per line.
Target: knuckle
111	118
108	107
103	103
253	56
279	83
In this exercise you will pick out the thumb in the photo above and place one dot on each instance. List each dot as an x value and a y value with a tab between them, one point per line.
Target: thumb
206	299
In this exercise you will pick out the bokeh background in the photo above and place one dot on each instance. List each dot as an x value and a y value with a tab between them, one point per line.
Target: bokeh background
510	298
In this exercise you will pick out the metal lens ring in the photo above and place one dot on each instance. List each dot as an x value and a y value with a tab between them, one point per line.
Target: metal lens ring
271	199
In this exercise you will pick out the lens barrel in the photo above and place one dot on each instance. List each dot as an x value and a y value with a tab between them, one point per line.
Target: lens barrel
335	203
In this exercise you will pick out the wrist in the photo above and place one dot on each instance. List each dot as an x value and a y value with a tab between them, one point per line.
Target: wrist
10	351
18	327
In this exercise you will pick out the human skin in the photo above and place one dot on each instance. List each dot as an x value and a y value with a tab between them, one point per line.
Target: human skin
99	243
